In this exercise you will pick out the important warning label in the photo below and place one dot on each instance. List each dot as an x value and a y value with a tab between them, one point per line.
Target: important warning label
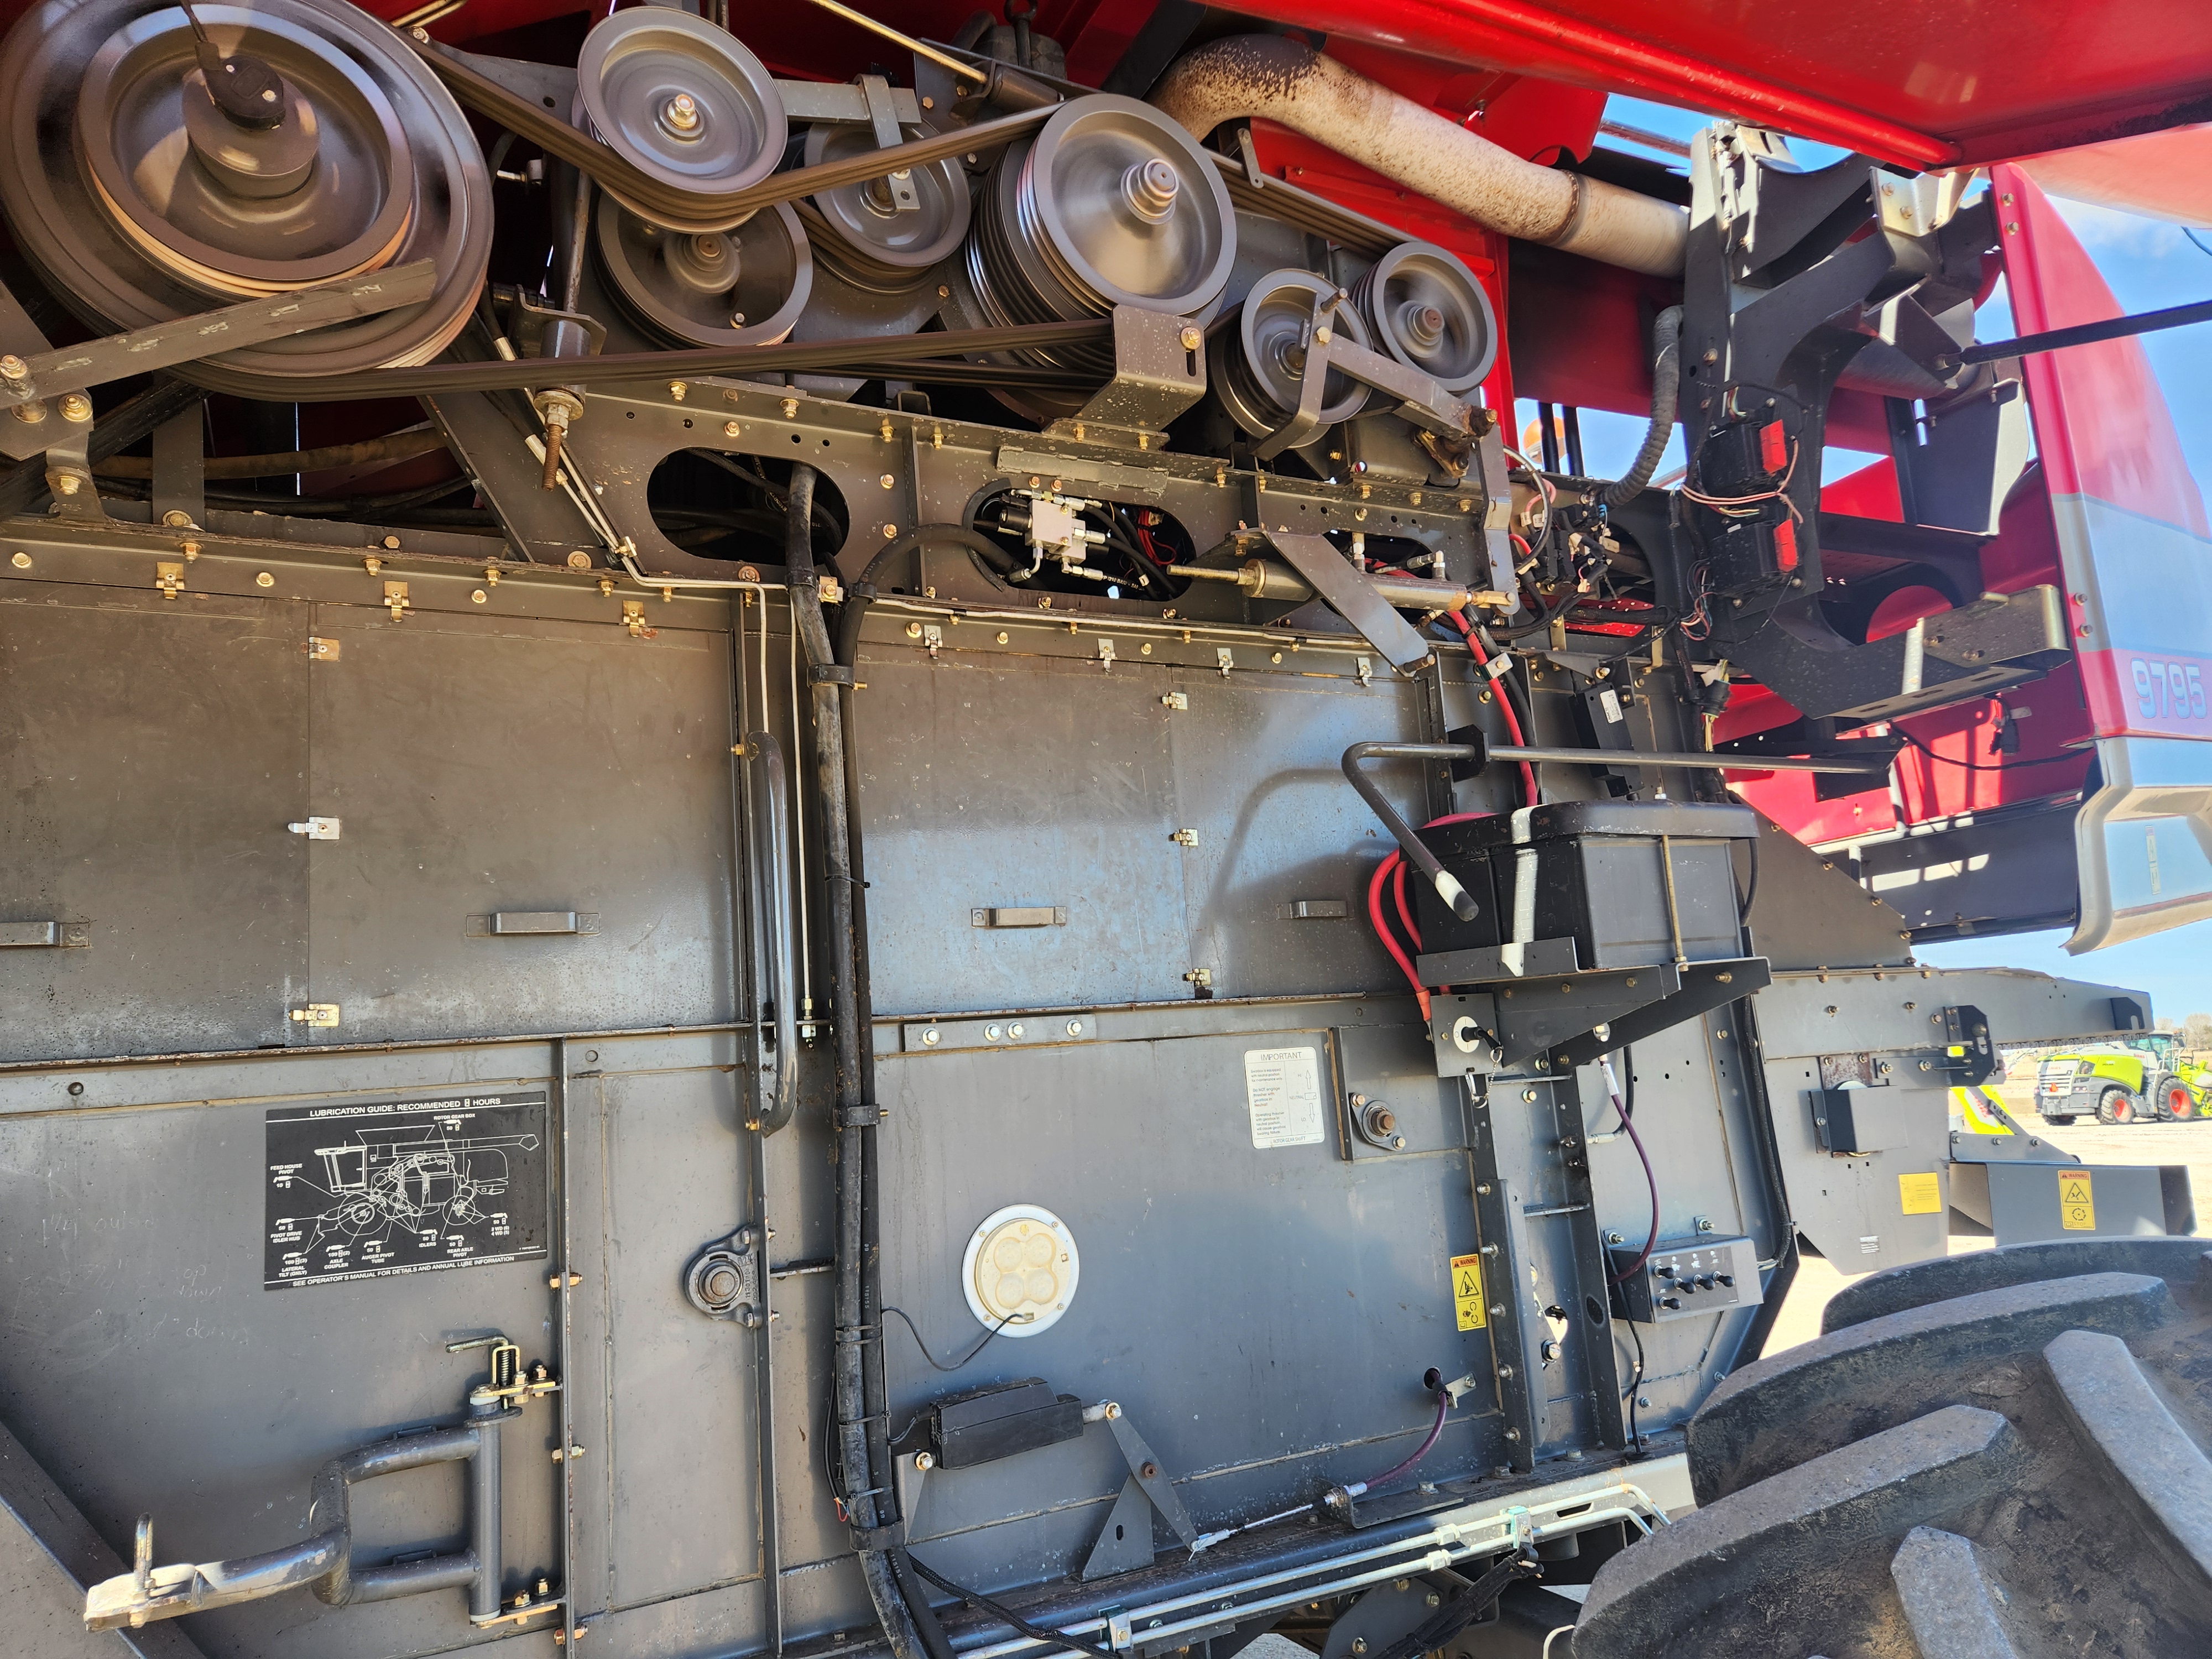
1283	1088
402	1187
1467	1292
1920	1193
2077	1205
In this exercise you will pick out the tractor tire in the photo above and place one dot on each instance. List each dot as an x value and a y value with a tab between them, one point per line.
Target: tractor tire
1997	1455
2063	1119
2176	1101
2116	1106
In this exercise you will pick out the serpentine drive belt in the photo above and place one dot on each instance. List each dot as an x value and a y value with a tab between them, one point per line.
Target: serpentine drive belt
672	206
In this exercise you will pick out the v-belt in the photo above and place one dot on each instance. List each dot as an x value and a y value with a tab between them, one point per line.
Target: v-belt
672	206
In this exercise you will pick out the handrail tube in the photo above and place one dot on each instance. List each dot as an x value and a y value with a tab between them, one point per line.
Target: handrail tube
771	841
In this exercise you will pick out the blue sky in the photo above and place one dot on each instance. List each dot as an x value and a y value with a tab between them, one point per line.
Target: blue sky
2150	265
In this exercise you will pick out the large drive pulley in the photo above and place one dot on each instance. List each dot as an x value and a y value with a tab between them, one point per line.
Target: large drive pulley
682	101
1260	365
1427	309
152	169
1111	204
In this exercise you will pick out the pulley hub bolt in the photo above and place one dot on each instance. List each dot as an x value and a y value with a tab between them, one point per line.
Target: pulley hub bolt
13	367
1151	187
77	407
1423	326
681	115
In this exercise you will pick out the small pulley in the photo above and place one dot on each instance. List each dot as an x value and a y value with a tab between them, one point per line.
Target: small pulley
745	286
1260	363
1427	309
873	241
684	100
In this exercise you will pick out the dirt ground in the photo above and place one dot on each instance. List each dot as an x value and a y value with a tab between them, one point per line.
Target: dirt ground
2188	1143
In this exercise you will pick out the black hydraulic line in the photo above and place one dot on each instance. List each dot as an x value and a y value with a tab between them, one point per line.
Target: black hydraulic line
1462	1610
2057	339
862	592
855	1116
1666	381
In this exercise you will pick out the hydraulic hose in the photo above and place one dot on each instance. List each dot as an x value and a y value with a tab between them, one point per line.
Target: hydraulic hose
862	592
858	1292
1666	381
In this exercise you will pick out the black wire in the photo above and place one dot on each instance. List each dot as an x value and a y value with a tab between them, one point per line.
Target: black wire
2201	247
1976	766
1635	1439
965	1358
983	1603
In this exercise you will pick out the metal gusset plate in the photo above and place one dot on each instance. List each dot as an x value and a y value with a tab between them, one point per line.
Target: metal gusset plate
140	200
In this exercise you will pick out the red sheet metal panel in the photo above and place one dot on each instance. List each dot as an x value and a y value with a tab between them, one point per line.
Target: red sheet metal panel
1971	80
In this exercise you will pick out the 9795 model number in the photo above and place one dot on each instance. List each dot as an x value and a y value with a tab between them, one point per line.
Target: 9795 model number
2171	690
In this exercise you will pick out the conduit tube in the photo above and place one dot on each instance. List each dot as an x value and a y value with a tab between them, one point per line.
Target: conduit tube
1286	80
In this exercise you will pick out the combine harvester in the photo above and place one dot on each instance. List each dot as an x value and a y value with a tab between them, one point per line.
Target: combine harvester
813	849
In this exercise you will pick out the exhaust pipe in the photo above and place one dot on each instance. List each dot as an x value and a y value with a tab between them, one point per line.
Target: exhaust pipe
1286	80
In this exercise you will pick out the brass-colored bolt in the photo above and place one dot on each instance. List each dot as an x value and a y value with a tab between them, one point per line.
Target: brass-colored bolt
579	561
791	409
13	367
31	413
478	596
263	579
190	551
606	587
21	560
677	389
67	483
77	407
891	532
391	543
913	631
1192	339
25	559
372	564
730	428
887	481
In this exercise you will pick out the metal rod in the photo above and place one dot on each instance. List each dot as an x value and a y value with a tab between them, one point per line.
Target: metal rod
2112	328
1711	762
942	60
566	1406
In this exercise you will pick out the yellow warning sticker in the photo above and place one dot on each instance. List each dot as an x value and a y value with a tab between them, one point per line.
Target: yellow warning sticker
1920	1195
2077	1208
1467	1292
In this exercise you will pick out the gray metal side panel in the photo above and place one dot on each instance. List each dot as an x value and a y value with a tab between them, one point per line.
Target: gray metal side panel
1214	1274
486	763
152	751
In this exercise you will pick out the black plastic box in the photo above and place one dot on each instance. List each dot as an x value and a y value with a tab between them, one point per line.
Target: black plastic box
1601	880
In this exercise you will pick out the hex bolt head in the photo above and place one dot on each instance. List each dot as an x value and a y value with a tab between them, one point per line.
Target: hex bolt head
13	367
77	407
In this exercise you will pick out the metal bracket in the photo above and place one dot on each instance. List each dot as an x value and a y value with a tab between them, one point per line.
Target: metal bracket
25	381
1159	371
1352	597
1125	1543
724	1280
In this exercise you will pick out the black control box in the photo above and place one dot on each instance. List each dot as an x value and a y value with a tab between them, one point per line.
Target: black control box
1707	1274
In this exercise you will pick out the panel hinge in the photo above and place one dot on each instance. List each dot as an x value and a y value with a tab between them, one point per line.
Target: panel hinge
395	600
169	577
322	650
634	620
316	828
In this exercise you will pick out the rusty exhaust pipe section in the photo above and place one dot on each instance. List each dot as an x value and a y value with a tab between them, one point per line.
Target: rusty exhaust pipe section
1287	81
